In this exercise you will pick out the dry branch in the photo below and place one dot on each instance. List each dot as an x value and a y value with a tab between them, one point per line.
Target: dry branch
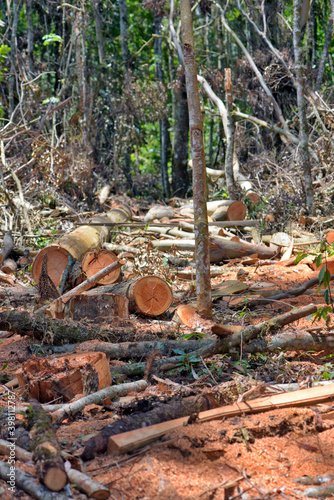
72	409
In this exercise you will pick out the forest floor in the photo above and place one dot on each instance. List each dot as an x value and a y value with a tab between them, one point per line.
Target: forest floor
270	455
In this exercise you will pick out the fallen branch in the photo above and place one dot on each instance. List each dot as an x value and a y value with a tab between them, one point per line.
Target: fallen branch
112	392
288	294
223	345
130	350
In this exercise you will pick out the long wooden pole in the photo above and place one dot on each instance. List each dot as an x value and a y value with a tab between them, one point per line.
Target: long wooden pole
202	254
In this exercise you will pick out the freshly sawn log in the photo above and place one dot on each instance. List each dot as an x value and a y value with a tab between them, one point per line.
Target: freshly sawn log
77	243
148	295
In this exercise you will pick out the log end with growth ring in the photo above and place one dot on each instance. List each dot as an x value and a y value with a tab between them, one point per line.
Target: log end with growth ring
55	479
93	262
152	295
56	264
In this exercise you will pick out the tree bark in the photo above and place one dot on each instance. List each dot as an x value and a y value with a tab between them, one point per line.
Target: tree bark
230	184
180	180
301	101
204	304
99	30
163	122
324	55
30	36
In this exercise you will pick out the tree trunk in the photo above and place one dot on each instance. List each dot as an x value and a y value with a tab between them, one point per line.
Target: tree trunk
328	39
30	36
202	257
230	184
99	30
301	101
180	180
163	121
13	54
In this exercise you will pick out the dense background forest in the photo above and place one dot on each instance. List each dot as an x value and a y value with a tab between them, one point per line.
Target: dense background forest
93	93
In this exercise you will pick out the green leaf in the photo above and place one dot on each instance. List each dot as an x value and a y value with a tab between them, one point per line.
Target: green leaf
300	256
327	278
322	274
318	260
326	296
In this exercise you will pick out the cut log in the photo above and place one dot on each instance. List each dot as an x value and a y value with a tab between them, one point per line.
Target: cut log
158	212
27	483
279	240
224	249
61	376
131	440
82	482
7	246
85	285
93	261
9	266
46	451
148	295
97	306
230	210
77	243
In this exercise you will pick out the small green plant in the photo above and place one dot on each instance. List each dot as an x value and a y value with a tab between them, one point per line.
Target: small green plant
186	361
193	336
320	259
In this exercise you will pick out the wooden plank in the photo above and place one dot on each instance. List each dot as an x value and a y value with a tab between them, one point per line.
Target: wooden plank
131	440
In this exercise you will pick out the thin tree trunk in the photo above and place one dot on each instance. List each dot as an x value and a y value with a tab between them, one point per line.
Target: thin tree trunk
126	59
163	121
324	55
301	101
204	304
230	184
30	35
99	30
13	51
180	180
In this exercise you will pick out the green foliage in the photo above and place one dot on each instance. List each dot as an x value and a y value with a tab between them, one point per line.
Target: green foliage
193	336
51	38
52	100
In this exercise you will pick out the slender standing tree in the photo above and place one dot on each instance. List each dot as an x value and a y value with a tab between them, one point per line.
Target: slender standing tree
301	102
202	257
